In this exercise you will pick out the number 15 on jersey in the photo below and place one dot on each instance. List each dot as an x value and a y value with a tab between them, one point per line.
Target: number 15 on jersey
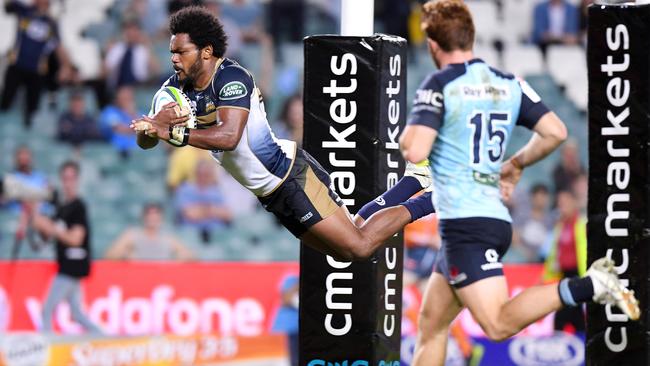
489	136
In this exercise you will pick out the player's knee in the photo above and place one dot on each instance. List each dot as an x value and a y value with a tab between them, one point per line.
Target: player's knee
342	256
361	251
496	331
429	325
354	250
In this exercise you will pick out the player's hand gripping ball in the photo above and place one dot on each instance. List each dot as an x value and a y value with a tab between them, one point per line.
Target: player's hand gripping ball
183	105
161	100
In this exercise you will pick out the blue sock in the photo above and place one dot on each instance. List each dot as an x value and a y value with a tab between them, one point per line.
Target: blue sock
403	190
576	290
419	206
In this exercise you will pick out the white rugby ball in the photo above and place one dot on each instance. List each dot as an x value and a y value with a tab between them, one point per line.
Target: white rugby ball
172	94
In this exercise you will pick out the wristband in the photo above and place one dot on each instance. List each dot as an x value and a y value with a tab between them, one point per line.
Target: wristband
179	135
515	162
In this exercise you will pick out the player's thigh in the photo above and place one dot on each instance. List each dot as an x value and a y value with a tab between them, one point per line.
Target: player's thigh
439	308
336	231
484	299
470	260
306	205
472	249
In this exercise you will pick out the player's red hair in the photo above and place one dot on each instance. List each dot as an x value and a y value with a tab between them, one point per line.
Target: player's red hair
449	23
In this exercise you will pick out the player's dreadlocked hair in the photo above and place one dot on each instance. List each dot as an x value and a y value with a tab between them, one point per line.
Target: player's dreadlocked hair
449	23
202	26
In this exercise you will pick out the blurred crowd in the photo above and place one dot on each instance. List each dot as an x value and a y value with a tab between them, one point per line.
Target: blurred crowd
548	219
543	215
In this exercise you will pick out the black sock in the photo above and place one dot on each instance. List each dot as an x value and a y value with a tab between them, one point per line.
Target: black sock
576	290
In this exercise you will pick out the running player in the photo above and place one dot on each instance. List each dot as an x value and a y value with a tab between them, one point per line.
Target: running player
462	119
286	179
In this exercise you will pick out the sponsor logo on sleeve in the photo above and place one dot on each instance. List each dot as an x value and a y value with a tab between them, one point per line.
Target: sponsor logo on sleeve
233	90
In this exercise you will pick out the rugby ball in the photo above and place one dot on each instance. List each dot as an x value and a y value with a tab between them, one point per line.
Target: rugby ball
172	94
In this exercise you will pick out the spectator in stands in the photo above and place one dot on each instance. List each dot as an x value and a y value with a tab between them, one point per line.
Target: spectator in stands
69	228
25	173
394	15
248	15
116	118
286	320
555	22
290	123
242	22
37	37
76	125
584	13
288	20
150	15
569	168
130	61
232	29
567	255
201	204
533	226
176	5
181	167
581	189
149	242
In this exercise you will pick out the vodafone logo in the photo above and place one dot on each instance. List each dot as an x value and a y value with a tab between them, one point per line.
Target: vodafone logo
162	311
5	310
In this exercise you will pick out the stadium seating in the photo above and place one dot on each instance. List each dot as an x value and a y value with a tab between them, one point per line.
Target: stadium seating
513	56
516	23
116	189
485	14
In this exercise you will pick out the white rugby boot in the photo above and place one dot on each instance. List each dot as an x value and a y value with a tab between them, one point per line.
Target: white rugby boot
420	171
608	289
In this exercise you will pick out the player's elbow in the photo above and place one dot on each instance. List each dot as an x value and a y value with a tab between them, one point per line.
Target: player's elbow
230	144
560	134
551	128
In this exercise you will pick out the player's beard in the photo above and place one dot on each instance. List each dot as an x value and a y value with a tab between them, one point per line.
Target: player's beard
194	71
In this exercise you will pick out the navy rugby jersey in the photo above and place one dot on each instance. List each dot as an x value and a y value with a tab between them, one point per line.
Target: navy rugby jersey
260	162
474	108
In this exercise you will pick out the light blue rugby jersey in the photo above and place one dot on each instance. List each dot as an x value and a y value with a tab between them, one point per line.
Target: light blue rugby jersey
474	108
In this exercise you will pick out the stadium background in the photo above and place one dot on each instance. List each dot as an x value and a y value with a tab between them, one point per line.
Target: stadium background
244	261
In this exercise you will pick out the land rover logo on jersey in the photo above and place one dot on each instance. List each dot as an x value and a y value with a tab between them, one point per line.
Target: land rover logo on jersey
233	90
